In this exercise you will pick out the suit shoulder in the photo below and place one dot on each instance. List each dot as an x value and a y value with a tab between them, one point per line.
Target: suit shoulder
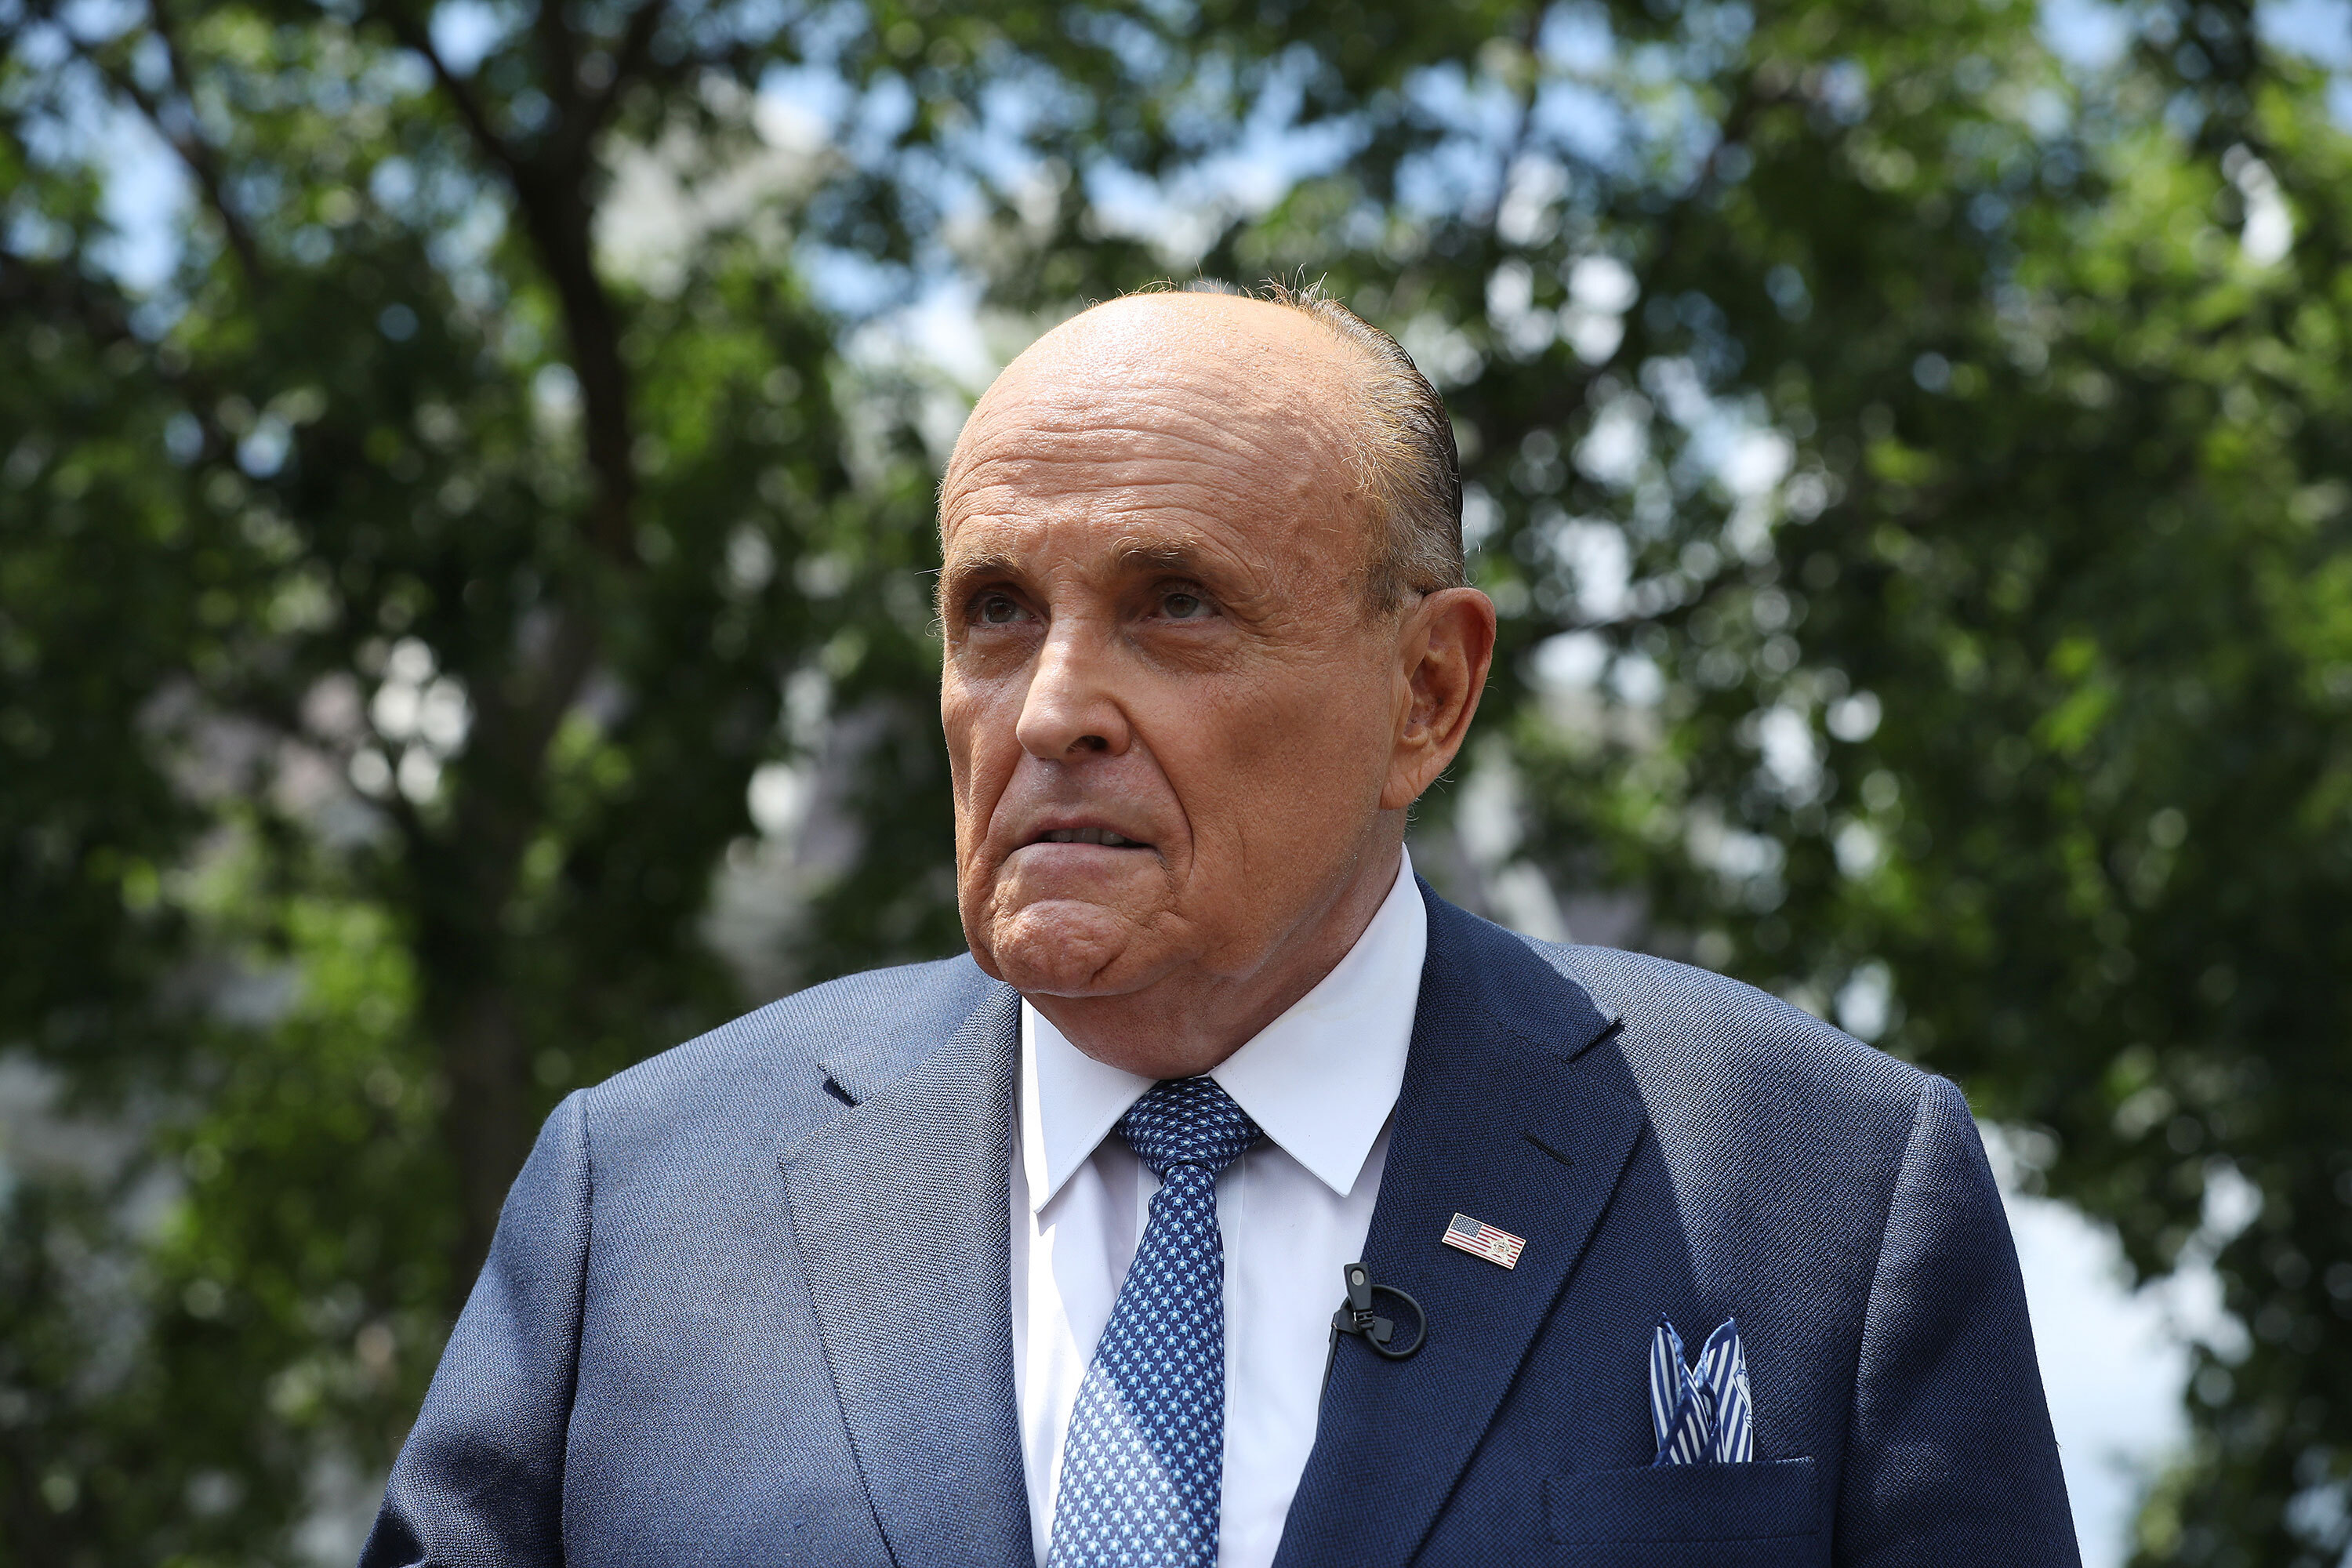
773	1062
1703	1046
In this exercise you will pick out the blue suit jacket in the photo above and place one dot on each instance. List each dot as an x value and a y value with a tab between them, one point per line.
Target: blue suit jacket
748	1301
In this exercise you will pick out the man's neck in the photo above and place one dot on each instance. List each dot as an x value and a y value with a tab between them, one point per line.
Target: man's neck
1188	1022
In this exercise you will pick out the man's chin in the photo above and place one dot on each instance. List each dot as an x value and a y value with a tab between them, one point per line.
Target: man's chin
1069	947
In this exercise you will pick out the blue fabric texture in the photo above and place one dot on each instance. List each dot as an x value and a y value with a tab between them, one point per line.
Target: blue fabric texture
1143	1464
749	1301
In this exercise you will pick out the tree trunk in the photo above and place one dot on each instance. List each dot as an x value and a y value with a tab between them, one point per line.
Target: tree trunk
486	1065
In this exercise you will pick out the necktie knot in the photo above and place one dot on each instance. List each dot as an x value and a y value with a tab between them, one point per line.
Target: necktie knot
1187	1121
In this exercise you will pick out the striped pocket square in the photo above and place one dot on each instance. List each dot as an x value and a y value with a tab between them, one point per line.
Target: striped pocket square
1701	1413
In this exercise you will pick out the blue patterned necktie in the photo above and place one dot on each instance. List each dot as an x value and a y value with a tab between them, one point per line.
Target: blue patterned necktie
1143	1465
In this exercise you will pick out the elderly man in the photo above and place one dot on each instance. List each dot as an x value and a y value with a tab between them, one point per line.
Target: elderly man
1237	1200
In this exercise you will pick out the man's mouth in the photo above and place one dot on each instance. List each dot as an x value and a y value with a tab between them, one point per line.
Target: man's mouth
1102	835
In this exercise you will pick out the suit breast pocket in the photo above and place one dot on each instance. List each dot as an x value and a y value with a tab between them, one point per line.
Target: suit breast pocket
1760	1515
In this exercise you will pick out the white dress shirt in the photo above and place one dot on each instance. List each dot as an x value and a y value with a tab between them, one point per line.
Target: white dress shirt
1320	1082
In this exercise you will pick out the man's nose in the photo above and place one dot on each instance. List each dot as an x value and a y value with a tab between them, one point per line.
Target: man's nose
1069	710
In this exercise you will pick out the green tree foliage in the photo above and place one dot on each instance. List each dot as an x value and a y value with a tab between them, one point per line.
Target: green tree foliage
1909	465
399	607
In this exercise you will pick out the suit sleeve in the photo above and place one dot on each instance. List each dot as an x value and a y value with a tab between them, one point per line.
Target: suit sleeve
480	1479
1949	1457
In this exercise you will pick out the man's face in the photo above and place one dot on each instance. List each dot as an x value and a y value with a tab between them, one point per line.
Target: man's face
1170	716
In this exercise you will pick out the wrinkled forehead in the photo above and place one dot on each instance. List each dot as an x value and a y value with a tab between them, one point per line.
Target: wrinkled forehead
1168	418
1184	434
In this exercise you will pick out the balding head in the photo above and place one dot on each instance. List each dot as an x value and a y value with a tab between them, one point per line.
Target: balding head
1183	752
1362	412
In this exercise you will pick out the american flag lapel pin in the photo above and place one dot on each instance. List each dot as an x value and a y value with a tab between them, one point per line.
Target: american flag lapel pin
1480	1239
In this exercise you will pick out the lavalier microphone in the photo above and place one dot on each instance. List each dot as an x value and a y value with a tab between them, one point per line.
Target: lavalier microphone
1357	1316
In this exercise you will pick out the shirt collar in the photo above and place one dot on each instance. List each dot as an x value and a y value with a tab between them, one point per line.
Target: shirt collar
1319	1080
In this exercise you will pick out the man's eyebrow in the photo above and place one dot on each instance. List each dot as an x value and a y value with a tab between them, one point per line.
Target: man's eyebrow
1134	554
1183	557
957	570
1161	555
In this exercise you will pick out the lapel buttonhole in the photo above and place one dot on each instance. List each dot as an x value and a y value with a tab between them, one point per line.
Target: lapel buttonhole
1547	1148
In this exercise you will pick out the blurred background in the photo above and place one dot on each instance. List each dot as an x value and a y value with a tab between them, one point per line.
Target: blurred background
465	484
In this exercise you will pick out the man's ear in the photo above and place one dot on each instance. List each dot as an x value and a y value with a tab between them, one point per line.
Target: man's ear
1444	647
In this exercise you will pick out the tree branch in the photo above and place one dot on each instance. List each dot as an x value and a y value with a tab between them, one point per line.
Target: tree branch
190	147
560	47
195	150
633	55
412	35
551	192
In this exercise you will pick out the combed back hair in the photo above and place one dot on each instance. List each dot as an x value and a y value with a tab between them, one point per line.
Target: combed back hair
1406	460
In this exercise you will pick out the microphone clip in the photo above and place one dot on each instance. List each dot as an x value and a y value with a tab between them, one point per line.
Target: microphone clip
1356	1316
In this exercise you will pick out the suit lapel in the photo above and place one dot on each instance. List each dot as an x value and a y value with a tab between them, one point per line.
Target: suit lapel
1498	1121
899	1212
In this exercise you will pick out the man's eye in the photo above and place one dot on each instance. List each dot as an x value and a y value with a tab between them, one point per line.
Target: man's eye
998	610
1179	606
